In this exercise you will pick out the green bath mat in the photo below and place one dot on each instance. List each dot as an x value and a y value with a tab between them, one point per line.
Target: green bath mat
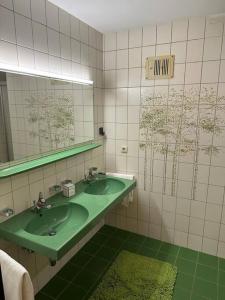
136	277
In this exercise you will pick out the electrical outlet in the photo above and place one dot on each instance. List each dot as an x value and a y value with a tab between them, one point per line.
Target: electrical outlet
124	149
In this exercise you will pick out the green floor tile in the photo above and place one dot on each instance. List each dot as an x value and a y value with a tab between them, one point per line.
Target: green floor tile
86	279
136	239
69	272
188	254
41	296
114	242
169	249
152	243
207	273
221	292
185	266
222	278
147	251
132	247
122	234
181	294
97	265
106	229
99	238
107	253
222	264
54	287
166	257
208	260
81	259
205	289
91	248
73	292
184	281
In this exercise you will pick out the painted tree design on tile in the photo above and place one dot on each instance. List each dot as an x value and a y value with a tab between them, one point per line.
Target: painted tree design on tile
174	125
51	120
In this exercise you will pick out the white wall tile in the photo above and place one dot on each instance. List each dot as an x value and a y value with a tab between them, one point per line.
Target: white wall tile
84	32
22	7
110	41
65	47
211	230
122	59
210	71
213	212
25	57
23	31
164	33
135	38
53	42
8	53
7	27
193	73
179	50
52	13
110	60
209	246
75	27
213	28
149	35
222	71
7	3
196	28
195	50
122	39
40	37
179	30
134	57
38	11
212	48
215	194
64	22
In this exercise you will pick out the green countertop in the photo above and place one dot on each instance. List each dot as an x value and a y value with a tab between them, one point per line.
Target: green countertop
56	246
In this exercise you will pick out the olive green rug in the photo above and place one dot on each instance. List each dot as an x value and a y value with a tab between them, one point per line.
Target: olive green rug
136	277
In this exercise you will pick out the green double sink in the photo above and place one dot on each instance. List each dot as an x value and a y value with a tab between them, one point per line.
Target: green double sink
54	231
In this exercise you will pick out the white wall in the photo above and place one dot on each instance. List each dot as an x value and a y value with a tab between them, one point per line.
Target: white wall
36	34
180	196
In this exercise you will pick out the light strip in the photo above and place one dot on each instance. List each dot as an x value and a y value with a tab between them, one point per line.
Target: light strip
33	72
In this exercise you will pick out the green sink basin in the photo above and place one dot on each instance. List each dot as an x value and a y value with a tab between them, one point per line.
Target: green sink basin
53	220
105	186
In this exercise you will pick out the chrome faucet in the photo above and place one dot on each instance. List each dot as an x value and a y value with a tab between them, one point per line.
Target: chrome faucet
40	203
92	172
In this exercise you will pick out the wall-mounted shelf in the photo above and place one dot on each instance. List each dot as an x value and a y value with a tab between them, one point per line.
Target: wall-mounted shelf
45	160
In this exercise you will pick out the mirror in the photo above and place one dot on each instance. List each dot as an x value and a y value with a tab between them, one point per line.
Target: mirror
40	114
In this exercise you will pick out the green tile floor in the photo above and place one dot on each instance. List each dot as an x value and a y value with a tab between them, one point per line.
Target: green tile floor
200	276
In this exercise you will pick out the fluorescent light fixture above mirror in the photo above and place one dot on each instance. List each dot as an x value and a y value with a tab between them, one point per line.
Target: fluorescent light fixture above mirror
33	72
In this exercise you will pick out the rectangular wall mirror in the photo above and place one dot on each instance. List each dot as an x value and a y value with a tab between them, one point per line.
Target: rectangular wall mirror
39	115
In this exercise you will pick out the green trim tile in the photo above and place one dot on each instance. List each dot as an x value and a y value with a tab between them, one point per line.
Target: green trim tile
73	291
205	289
207	273
120	233
99	238
54	287
184	281
188	254
185	266
106	229
132	247
208	260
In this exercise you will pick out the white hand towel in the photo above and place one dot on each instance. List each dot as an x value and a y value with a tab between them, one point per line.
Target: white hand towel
130	197
16	280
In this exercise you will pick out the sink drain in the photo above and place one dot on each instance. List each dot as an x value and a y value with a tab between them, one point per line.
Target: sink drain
52	232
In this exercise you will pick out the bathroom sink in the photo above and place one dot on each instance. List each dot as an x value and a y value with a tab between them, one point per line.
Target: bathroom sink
53	220
105	186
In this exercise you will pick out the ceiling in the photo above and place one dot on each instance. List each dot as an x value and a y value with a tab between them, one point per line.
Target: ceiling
115	15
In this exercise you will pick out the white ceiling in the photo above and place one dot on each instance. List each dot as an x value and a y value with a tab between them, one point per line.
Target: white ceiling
115	15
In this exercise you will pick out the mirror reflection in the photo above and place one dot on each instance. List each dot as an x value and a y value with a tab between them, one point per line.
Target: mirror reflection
38	115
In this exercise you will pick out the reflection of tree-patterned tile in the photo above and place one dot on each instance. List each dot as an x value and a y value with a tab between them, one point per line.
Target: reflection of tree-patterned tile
184	127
